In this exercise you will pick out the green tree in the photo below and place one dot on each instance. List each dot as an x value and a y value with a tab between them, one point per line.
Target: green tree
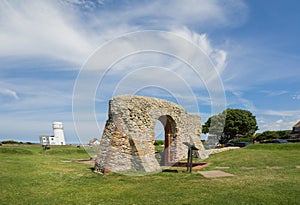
231	124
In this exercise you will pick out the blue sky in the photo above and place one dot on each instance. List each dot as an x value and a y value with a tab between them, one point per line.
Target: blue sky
254	46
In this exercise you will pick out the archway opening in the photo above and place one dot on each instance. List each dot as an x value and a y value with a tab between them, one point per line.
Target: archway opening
165	129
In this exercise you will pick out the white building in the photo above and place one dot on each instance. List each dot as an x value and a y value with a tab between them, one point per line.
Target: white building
57	139
58	131
47	140
94	141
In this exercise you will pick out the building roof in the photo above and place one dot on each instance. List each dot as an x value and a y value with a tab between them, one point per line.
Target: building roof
297	124
93	140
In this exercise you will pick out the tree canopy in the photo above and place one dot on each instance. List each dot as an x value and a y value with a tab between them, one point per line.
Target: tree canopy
231	124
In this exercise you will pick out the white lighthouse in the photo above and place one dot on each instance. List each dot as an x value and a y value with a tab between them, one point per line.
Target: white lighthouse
58	132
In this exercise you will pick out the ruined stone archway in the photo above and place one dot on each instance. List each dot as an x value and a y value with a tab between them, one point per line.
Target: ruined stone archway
169	125
127	142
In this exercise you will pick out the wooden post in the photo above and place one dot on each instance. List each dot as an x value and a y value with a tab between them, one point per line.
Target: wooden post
191	159
188	160
190	156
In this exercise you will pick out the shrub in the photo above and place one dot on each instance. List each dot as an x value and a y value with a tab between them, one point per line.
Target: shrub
269	135
159	142
243	139
10	142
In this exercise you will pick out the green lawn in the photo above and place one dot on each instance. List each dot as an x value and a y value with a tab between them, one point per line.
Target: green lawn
264	174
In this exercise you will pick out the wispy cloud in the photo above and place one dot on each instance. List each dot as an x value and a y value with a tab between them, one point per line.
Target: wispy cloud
9	92
274	92
71	30
296	97
218	56
282	113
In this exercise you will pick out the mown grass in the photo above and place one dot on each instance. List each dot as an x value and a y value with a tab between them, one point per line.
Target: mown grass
264	174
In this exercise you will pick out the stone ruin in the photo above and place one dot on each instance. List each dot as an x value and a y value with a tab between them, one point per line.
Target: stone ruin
127	142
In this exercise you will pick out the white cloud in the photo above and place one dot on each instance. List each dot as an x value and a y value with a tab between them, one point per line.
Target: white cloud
270	123
41	28
217	56
283	113
296	97
57	30
189	12
9	92
277	119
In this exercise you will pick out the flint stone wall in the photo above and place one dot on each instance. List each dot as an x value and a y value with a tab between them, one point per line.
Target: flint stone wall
127	142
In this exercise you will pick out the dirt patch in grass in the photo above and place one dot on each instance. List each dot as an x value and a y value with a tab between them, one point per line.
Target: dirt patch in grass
248	168
215	174
85	161
222	167
274	167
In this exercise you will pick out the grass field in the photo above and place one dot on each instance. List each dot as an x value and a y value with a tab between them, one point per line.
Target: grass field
264	174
